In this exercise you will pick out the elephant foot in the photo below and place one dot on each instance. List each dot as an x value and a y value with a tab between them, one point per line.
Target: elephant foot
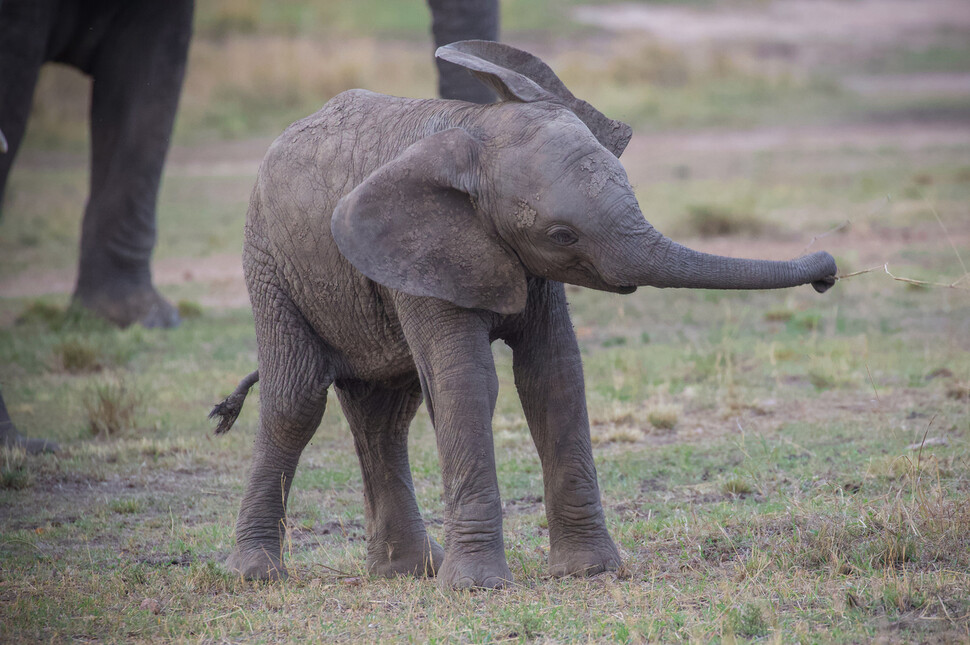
126	306
585	559
256	564
10	438
420	557
474	572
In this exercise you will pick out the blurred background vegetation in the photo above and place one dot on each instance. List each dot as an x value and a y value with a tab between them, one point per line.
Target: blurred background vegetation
775	465
257	66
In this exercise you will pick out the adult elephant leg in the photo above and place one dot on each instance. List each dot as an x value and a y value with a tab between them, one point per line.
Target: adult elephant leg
453	20
137	75
451	349
549	377
23	33
294	375
10	438
397	542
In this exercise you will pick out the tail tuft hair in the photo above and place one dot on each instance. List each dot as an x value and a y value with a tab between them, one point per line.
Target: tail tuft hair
230	407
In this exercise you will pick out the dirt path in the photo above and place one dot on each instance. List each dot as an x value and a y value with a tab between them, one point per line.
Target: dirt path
805	23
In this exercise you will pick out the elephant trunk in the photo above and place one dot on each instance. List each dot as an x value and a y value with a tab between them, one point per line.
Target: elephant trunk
664	263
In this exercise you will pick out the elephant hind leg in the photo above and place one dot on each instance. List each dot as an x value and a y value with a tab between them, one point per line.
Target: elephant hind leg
379	417
294	372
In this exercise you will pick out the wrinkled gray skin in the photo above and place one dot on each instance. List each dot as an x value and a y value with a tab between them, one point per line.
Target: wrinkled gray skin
135	52
389	241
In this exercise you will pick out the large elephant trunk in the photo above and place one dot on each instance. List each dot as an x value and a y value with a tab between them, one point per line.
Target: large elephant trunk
665	263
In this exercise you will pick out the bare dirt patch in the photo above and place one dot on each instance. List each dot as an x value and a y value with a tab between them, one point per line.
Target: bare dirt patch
221	273
810	23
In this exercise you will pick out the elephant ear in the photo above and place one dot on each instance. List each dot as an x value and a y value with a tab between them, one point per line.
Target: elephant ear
412	225
516	75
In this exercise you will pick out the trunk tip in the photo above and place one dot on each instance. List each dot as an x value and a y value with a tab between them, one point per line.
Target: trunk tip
828	271
824	284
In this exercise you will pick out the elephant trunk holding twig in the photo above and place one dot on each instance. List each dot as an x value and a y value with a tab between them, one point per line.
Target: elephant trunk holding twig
389	241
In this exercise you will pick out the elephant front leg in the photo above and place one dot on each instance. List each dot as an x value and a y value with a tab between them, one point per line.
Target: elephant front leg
397	542
137	72
549	377
454	359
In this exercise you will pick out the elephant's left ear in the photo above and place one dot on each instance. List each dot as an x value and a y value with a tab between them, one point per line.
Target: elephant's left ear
519	76
412	225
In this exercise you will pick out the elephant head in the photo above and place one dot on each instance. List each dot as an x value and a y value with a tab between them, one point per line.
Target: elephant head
528	186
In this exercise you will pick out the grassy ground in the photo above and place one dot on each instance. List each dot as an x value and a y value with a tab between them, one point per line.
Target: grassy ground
776	466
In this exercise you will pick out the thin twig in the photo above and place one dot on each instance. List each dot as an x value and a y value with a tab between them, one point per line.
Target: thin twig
342	574
871	382
923	283
852	275
834	229
949	239
875	209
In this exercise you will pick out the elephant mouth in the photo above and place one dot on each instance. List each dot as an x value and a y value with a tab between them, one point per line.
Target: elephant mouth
601	283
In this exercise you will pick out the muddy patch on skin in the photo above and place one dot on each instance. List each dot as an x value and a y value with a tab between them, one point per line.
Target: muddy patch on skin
600	174
525	215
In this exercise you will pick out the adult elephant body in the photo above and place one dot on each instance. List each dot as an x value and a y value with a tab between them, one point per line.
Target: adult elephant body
135	52
388	242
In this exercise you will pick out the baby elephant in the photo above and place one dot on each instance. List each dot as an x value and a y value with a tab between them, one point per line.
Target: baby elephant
388	242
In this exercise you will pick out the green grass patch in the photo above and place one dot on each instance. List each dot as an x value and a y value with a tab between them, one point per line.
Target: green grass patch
712	221
113	409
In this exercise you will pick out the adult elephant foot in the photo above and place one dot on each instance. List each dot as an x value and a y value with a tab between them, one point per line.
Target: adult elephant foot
10	438
474	572
256	564
419	557
586	559
125	306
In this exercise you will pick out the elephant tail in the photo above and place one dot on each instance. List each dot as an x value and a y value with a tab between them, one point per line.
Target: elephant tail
228	410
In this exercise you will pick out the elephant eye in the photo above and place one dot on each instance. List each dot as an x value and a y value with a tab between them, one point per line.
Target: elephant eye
562	235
